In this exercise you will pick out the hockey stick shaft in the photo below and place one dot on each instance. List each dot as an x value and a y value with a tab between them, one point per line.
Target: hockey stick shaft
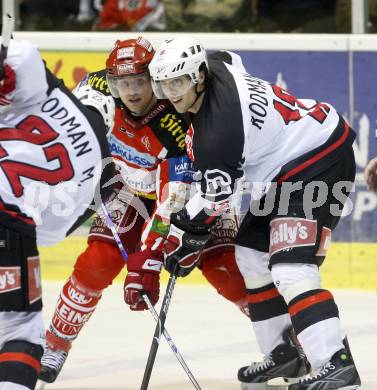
152	310
113	229
172	345
6	33
158	330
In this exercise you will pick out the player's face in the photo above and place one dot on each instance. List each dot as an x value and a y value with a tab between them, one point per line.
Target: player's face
180	91
135	91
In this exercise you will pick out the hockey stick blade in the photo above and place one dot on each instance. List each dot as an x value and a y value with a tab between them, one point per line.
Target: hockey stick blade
152	310
172	345
40	385
158	330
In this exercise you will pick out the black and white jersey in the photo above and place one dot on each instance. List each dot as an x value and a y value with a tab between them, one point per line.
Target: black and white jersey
51	149
250	130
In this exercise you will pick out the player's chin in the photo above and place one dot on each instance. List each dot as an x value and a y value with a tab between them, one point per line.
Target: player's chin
136	106
179	105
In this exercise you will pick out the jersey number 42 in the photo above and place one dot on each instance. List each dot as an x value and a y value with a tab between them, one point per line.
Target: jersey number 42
36	131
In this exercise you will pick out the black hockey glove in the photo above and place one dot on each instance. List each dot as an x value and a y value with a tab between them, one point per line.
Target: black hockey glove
184	243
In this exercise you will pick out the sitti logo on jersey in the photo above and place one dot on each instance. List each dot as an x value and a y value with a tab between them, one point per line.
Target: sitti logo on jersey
119	149
99	83
172	124
288	233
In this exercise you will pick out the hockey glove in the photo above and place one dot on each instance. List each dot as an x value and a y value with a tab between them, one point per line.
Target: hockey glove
8	82
184	243
143	277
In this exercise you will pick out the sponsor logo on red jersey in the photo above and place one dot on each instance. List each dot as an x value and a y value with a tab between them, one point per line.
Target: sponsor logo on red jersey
189	143
287	233
145	141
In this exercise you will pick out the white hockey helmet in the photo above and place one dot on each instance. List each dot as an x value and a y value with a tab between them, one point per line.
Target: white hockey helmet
104	104
177	57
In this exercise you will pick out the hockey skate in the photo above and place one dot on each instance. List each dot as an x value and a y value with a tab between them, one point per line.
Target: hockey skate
286	361
51	364
338	373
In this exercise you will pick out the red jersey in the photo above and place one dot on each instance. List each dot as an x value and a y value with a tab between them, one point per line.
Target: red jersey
131	15
150	154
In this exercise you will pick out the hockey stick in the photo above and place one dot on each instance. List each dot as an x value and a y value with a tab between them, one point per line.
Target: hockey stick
152	310
159	329
6	34
112	227
171	344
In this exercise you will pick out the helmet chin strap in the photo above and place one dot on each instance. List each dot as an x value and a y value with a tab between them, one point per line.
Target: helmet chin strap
198	94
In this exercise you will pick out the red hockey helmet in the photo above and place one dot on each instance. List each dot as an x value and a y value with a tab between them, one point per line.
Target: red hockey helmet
129	57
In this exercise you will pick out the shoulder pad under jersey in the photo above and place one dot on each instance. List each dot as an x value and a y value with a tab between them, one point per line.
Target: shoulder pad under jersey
170	128
97	80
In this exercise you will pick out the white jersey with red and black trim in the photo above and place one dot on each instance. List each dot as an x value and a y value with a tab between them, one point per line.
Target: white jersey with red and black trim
51	149
252	130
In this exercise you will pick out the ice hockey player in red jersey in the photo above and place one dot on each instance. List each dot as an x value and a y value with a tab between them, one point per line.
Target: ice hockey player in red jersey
295	159
51	152
154	177
132	15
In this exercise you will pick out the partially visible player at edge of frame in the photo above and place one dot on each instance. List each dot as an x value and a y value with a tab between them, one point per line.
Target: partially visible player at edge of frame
54	146
276	141
370	174
153	180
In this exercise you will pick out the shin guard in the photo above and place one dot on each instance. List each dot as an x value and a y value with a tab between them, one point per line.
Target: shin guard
20	363
75	306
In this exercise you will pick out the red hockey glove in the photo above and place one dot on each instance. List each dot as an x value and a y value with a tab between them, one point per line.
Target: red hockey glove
184	243
143	277
8	83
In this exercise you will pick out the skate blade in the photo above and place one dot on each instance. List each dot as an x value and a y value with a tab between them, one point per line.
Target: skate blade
274	384
262	386
40	385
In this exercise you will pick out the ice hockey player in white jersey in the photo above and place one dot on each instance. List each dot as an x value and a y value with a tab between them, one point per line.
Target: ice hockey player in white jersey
147	143
295	158
52	149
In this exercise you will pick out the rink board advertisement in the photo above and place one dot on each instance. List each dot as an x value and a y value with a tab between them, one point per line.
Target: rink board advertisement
323	75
